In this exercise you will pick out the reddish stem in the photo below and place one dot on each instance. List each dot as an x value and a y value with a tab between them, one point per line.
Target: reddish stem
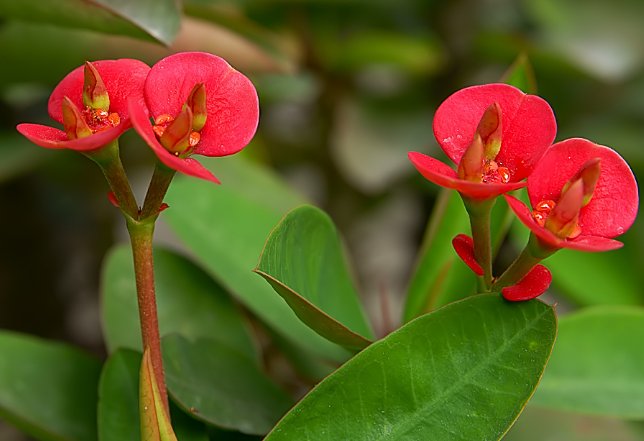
141	234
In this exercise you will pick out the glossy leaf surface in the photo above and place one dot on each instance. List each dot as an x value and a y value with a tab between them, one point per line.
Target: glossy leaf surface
220	386
48	389
462	372
118	417
158	18
596	366
75	14
226	228
189	302
303	260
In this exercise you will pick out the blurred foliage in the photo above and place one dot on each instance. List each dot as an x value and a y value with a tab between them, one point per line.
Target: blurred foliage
347	87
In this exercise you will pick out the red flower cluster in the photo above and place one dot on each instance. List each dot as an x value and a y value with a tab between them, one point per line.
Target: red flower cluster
583	194
199	105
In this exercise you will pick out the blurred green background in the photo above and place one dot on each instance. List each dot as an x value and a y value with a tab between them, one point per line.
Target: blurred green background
346	88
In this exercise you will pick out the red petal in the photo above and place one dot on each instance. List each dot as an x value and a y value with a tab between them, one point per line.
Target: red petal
581	243
232	103
52	138
441	174
123	79
464	247
528	123
612	209
188	166
112	198
532	285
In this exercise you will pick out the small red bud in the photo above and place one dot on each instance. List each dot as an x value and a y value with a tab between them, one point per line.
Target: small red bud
73	120
176	136
95	94
197	103
564	217
471	167
490	130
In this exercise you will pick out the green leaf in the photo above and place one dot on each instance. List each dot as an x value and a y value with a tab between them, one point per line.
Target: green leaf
521	75
219	386
462	372
118	417
303	261
74	14
189	302
536	424
597	278
437	257
226	226
48	389
596	367
159	18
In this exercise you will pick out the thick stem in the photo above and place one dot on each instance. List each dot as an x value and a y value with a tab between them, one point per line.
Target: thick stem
533	253
109	161
479	212
161	179
141	234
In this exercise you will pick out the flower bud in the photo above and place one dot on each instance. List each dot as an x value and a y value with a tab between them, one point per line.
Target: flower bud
490	130
472	163
73	121
589	174
564	217
197	103
176	137
95	94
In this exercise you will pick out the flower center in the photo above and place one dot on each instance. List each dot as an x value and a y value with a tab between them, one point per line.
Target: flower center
541	212
161	124
98	120
495	173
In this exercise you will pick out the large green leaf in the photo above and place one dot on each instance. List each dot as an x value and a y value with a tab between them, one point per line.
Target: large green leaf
463	372
303	260
219	386
436	257
159	18
226	226
536	424
48	389
596	366
75	14
189	302
598	278
118	406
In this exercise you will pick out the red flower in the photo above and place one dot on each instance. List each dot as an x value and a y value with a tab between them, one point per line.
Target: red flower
583	195
199	105
91	104
495	133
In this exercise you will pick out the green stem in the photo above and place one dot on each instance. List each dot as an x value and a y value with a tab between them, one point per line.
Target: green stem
161	179
479	212
141	234
109	161
533	253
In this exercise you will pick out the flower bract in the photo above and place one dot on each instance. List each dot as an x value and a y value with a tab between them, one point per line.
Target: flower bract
91	102
588	188
495	134
195	103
